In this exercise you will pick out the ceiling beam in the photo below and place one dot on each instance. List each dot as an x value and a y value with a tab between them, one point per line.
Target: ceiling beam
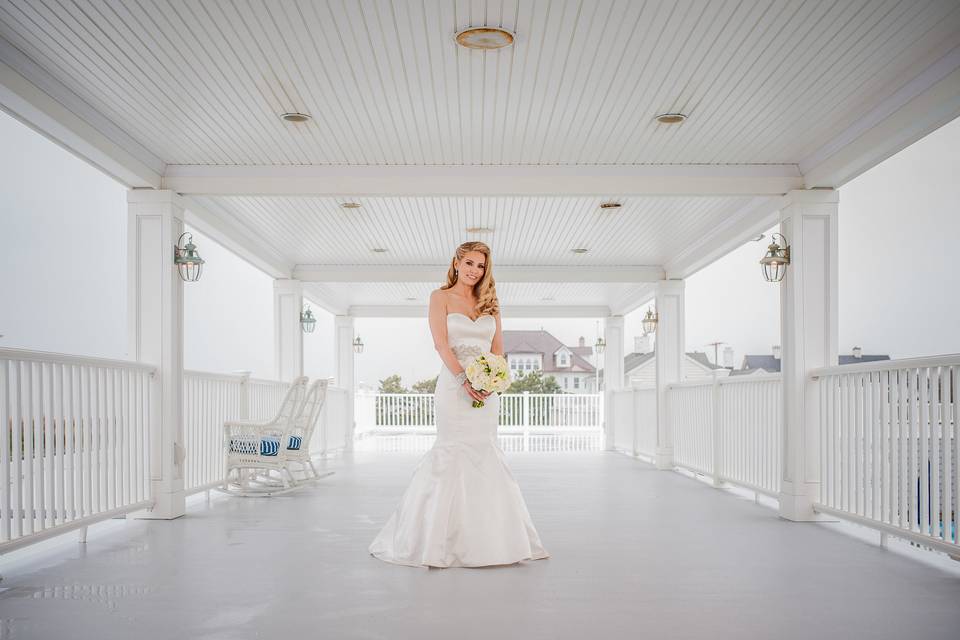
507	311
760	179
504	273
34	97
738	227
925	103
220	226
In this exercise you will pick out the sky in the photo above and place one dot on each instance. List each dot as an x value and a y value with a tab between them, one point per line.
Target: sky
63	225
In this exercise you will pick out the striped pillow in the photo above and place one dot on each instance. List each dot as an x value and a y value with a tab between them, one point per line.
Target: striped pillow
294	443
269	446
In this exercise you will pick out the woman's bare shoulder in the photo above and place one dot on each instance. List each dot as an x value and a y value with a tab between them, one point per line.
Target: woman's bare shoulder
439	295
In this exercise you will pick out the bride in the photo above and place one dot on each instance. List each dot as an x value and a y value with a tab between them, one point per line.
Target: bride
462	508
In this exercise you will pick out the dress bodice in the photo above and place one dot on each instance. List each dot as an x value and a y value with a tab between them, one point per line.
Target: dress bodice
469	338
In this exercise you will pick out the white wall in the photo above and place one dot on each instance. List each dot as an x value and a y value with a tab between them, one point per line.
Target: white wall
899	274
318	351
63	249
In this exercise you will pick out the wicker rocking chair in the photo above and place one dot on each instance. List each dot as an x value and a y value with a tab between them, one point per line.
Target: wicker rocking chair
301	432
255	449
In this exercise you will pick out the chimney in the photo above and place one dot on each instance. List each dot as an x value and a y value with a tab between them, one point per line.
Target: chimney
728	357
857	352
776	352
641	344
583	341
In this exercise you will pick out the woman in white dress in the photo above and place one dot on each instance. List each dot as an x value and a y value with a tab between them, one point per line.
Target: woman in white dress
462	508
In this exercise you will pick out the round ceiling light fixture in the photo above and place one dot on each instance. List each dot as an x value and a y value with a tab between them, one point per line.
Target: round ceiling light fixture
295	116
378	250
350	205
484	38
607	206
671	118
479	229
580	250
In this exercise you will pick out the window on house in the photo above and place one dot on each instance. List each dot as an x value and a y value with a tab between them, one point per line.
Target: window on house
566	383
576	383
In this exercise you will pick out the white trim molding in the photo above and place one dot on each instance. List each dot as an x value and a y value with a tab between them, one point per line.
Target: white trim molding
505	273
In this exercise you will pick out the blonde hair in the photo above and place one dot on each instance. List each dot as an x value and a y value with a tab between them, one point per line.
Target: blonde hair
486	289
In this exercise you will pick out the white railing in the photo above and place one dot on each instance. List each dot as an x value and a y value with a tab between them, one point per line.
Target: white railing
890	448
729	429
210	399
76	447
634	415
528	421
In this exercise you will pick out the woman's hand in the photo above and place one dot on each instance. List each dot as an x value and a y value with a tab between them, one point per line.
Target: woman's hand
479	396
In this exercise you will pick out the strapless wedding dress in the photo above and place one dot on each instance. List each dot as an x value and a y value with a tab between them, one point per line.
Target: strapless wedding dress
462	508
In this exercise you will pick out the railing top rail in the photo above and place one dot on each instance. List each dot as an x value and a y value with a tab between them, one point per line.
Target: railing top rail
207	375
62	358
887	365
754	377
512	395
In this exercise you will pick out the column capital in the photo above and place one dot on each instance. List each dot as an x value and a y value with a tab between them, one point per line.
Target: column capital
155	196
670	287
810	196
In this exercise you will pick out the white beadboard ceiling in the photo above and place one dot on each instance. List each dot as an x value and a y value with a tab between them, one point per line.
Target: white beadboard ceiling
203	83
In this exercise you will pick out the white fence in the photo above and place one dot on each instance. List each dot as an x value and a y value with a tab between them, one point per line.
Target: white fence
727	428
390	422
76	447
210	399
890	448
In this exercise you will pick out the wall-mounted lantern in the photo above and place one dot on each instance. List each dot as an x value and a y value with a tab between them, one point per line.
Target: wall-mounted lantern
307	320
599	345
188	261
650	321
775	262
357	345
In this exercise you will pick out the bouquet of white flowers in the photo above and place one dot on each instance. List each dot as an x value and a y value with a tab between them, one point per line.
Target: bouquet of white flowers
488	372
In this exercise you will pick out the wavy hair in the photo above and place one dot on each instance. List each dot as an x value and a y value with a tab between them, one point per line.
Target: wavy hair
486	289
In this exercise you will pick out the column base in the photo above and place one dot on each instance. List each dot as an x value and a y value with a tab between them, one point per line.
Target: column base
167	507
664	459
796	501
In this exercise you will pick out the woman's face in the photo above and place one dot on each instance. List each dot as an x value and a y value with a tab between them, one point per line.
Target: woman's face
471	267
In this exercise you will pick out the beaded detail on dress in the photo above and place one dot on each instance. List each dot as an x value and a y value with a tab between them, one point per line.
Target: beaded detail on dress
463	351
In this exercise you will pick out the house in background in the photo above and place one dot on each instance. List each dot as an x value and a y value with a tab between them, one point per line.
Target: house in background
770	363
528	351
639	367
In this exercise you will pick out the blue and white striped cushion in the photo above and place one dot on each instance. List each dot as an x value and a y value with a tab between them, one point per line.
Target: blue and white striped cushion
294	443
269	446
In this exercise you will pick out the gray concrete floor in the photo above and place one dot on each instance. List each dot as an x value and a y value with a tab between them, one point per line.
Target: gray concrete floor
636	552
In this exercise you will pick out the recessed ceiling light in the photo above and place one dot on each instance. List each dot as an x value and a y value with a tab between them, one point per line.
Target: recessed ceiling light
671	118
294	116
580	250
484	38
378	250
411	299
479	229
610	205
548	299
350	205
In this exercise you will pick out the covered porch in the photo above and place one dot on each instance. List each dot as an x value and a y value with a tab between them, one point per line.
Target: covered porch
338	173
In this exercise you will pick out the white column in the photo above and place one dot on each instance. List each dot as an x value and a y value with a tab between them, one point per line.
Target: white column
287	334
613	372
343	349
155	322
670	353
808	327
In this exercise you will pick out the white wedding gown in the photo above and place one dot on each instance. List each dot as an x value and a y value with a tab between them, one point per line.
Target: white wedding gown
462	508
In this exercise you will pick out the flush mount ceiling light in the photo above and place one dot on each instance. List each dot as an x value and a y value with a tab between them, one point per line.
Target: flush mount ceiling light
479	229
378	250
410	299
547	299
295	116
610	205
350	205
580	250
484	38
671	118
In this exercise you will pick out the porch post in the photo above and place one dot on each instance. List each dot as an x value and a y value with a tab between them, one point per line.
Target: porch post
613	373
343	350
287	335
808	327
670	351
155	335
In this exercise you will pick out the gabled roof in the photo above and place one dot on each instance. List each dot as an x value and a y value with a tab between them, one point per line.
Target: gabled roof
544	343
634	360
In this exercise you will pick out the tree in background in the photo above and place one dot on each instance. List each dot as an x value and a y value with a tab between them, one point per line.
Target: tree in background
392	384
426	386
534	382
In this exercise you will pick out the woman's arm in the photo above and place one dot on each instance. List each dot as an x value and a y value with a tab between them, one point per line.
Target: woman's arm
497	346
438	328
